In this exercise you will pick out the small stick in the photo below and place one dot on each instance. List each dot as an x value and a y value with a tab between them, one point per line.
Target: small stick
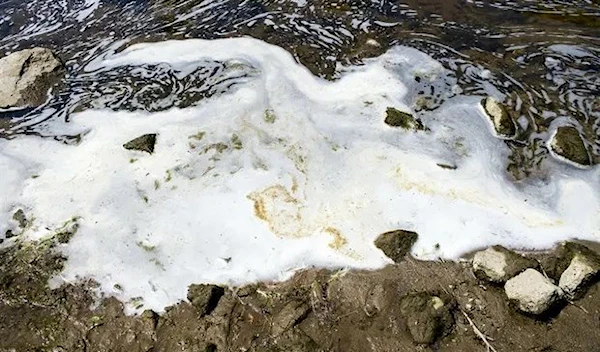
479	333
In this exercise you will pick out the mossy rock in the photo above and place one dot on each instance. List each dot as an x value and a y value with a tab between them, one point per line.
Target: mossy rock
397	118
143	143
205	297
567	143
428	316
499	117
396	244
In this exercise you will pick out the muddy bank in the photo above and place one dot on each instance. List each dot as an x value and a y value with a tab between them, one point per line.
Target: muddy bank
408	306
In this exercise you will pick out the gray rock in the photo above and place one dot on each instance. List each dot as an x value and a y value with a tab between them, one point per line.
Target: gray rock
499	117
498	264
397	118
532	291
428	316
144	143
27	75
568	144
582	271
396	244
205	297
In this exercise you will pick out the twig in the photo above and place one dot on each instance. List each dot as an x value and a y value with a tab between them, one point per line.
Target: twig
578	306
479	333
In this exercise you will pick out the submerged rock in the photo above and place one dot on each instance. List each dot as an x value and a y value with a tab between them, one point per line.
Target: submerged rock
397	118
567	143
143	143
500	118
27	75
428	316
396	244
205	297
583	271
20	218
532	291
498	264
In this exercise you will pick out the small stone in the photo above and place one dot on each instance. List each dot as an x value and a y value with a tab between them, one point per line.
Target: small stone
19	216
205	297
582	272
373	42
289	316
396	244
397	118
532	292
9	234
27	75
143	143
500	118
498	264
428	316
568	144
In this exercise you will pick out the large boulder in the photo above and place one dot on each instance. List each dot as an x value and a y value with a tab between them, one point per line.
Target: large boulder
532	292
568	144
27	75
498	264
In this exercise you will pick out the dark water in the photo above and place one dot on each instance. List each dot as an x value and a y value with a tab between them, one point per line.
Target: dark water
543	55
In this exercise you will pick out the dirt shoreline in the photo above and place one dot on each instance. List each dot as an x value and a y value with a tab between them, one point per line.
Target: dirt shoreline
316	310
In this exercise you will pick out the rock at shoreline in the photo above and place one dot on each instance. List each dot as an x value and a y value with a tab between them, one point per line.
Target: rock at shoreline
27	75
532	291
205	297
567	143
498	264
581	272
396	244
500	118
397	118
143	143
428	317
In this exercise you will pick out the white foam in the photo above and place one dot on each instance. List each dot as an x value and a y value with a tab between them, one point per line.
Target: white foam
327	176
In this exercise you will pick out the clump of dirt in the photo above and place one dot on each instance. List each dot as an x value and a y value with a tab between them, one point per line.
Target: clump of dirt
410	306
428	316
205	297
396	244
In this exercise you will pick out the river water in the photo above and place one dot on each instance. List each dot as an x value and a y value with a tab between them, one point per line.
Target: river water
267	163
543	55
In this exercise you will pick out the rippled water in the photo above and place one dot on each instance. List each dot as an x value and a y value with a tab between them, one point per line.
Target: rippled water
543	55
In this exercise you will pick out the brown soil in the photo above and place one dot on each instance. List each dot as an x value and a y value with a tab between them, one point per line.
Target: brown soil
317	310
